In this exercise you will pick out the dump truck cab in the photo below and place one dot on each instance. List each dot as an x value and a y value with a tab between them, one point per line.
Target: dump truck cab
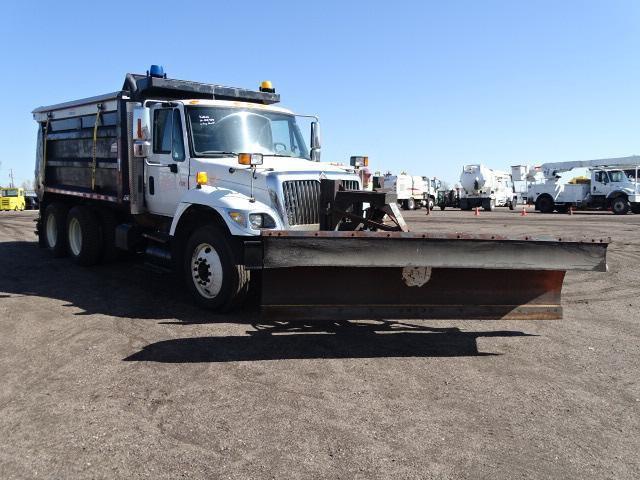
12	199
196	155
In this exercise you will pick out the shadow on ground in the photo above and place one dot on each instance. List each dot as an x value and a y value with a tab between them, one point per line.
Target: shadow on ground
128	289
321	340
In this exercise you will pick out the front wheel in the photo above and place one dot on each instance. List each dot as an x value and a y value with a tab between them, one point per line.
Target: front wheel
620	206
212	276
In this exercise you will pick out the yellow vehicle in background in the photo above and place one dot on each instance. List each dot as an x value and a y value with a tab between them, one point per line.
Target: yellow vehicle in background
12	199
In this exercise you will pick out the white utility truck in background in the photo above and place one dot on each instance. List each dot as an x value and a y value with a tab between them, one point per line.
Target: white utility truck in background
430	188
486	188
412	191
217	184
613	184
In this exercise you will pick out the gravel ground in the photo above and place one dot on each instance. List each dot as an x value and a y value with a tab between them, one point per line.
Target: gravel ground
109	372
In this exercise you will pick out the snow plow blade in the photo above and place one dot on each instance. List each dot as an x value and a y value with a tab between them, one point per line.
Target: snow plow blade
400	275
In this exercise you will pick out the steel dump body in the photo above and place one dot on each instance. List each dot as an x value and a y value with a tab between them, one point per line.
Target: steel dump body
338	275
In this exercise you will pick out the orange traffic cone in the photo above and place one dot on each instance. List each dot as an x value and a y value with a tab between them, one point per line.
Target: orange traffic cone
477	212
524	212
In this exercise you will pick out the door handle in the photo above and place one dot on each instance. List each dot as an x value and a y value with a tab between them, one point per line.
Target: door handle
173	167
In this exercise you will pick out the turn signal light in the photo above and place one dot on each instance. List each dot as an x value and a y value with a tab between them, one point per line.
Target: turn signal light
202	178
250	159
359	161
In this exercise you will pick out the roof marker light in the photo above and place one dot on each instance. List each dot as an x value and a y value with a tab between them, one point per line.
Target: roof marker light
267	86
157	71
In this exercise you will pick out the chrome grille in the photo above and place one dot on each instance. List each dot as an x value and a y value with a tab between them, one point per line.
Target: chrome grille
350	184
301	201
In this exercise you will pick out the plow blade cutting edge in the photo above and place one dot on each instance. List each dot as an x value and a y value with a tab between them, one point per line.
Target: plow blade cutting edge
400	275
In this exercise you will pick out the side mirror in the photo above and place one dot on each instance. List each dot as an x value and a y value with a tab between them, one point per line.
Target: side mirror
141	123
315	142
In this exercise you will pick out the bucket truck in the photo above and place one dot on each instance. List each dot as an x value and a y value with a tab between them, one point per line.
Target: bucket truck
612	184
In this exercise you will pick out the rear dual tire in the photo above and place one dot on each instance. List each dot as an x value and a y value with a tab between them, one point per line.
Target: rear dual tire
74	232
84	236
545	204
409	204
53	229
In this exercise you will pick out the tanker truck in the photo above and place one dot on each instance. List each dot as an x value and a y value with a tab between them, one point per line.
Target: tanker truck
486	188
220	186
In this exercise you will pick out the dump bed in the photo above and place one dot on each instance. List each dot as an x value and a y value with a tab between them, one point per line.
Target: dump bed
84	146
80	145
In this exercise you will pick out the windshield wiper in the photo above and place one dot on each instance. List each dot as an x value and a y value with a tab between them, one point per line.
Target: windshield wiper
217	152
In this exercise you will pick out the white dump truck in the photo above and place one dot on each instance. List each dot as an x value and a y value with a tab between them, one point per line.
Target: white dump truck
486	188
612	184
220	185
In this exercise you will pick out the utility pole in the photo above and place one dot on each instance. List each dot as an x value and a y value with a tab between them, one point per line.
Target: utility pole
11	177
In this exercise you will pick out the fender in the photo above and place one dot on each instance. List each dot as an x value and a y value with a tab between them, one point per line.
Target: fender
223	200
617	193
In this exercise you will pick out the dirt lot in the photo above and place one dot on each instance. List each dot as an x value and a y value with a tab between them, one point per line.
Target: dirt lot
110	372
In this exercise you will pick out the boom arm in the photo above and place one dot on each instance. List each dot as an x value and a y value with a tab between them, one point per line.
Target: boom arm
551	170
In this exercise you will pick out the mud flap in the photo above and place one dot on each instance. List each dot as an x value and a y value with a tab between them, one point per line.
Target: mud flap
374	275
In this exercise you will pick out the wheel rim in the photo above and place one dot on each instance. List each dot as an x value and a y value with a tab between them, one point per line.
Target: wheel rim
75	236
618	206
206	270
51	228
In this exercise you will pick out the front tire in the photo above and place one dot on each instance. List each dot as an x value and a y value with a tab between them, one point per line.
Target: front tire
620	206
211	274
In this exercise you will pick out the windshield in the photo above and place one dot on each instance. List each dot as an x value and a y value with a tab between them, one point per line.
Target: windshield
617	176
10	193
242	130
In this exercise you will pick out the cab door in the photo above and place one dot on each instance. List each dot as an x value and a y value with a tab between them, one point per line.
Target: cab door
167	168
600	184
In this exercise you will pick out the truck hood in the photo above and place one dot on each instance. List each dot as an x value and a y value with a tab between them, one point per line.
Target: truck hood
291	165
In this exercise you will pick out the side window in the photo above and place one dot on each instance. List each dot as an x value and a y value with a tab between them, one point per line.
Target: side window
167	133
162	131
178	138
598	177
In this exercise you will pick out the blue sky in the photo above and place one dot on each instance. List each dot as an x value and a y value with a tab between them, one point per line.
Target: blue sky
423	87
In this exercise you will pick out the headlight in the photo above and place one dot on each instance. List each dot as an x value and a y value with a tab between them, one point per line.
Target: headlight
261	220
